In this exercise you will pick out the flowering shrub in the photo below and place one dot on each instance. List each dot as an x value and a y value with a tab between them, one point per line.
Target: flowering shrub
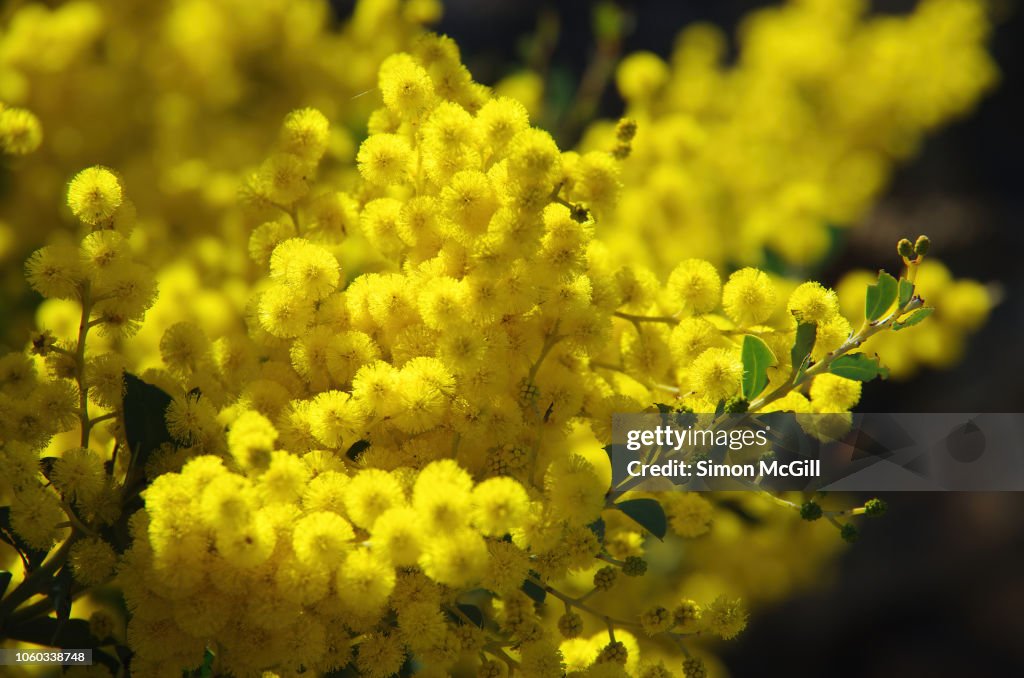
360	428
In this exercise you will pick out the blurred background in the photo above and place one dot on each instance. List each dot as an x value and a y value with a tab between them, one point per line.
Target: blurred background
936	587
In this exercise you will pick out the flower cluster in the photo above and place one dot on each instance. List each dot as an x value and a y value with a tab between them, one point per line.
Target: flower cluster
366	432
770	151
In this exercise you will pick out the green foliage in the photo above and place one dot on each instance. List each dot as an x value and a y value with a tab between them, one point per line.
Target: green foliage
880	296
757	358
648	513
858	366
915	317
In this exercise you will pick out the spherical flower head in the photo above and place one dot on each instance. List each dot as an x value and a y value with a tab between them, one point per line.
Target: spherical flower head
499	506
321	538
35	514
457	559
533	158
405	86
832	393
227	503
251	440
640	75
442	497
365	581
812	303
285	479
307	269
469	200
725	617
749	297
691	337
375	387
830	335
78	474
397	536
94	194
385	159
369	494
20	131
694	286
507	567
336	416
715	374
305	133
689	514
247	545
55	271
283	178
282	313
425	389
575	490
501	119
92	561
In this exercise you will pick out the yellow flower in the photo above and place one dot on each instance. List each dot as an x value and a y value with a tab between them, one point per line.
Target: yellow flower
94	194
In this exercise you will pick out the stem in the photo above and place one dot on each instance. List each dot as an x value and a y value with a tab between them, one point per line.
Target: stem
579	604
667	319
29	587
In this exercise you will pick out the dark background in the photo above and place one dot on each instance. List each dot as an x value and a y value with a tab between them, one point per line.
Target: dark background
936	587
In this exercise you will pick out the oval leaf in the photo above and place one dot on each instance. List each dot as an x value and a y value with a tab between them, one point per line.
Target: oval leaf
806	335
915	317
858	366
648	513
757	358
880	296
906	292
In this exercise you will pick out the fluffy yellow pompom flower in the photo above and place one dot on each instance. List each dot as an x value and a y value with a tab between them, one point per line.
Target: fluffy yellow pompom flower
369	494
689	514
385	159
441	495
78	474
640	75
749	297
92	561
307	269
365	581
499	505
305	133
694	286
397	535
832	393
94	194
20	131
456	558
251	440
690	338
405	86
321	538
716	374
725	617
812	303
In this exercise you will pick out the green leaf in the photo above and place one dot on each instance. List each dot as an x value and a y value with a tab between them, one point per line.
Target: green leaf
356	449
50	632
915	317
757	358
472	613
536	592
648	513
905	293
145	426
880	296
858	366
806	335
